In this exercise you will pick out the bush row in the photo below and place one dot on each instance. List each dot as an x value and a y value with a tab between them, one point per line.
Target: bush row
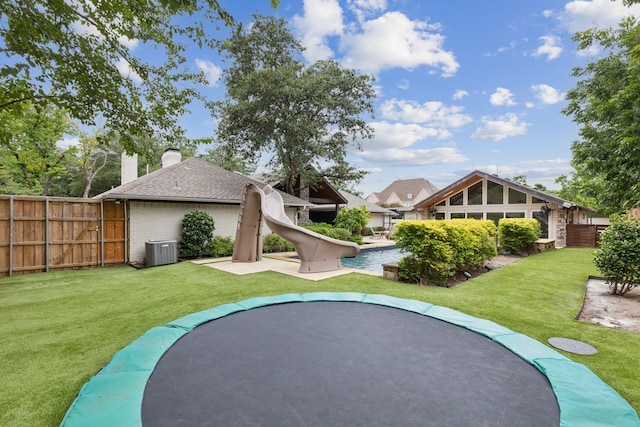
198	240
516	235
438	249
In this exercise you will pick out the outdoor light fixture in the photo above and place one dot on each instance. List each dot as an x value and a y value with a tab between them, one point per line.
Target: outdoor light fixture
467	275
433	211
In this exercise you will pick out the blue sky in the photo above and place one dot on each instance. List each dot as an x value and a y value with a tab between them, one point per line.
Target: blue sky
461	85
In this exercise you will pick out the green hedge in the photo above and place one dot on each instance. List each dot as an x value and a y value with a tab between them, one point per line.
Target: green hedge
274	243
438	249
517	234
333	232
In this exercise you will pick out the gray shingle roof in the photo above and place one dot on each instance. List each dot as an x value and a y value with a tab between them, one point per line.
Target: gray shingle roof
354	201
403	187
192	179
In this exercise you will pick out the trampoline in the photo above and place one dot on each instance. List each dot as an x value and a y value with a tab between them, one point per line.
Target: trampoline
338	359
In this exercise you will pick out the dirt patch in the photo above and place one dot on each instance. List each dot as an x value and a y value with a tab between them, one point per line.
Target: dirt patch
614	311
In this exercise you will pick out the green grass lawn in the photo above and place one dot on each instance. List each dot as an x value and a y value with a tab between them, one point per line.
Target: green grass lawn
58	329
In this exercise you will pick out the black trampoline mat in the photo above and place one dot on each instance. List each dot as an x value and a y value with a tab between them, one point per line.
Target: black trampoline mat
343	364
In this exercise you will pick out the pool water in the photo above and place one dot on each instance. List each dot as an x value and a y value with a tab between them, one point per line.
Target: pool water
372	259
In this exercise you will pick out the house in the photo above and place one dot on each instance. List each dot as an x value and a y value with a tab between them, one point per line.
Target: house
155	204
379	216
484	196
402	195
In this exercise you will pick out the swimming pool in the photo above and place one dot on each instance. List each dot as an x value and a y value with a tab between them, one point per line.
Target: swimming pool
372	259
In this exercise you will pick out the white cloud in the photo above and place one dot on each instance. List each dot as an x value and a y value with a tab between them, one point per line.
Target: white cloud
459	94
579	15
547	13
126	71
434	113
548	95
211	71
502	96
321	19
67	143
394	41
396	135
550	48
417	157
130	44
496	130
362	8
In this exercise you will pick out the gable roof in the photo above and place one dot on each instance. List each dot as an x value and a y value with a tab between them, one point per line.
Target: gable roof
194	180
403	187
354	201
476	176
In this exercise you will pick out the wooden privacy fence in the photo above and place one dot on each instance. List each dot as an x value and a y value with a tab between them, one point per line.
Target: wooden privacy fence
49	233
584	235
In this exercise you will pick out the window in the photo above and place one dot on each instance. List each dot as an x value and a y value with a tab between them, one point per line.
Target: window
495	217
514	215
517	197
439	216
475	215
457	215
456	199
475	194
495	193
534	199
441	203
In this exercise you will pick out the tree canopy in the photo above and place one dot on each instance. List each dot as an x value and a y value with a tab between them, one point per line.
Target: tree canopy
295	115
606	104
79	56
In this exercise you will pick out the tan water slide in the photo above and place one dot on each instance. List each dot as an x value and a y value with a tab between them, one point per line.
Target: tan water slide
317	253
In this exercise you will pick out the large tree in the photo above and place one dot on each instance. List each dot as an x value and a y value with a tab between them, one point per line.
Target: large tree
291	114
73	53
606	105
29	151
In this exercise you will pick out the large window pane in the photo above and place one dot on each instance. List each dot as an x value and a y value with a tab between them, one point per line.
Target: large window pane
517	197
475	215
475	194
514	215
495	193
456	199
495	217
457	215
534	199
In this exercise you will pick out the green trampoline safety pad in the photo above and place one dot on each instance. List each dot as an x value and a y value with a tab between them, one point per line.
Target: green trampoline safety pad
114	396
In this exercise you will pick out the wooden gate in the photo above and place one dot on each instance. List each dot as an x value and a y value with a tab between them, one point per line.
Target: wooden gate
584	235
46	233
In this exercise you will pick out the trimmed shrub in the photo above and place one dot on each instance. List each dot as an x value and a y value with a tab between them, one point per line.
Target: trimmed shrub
355	220
517	234
440	248
333	232
197	233
274	243
618	258
221	246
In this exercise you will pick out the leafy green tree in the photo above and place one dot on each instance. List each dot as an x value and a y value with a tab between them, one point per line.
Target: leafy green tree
70	53
276	106
354	219
220	155
29	150
605	103
618	258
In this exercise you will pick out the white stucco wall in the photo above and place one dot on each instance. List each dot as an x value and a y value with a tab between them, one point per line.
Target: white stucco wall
163	221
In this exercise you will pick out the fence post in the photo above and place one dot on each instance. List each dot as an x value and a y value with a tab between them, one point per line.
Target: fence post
47	238
11	215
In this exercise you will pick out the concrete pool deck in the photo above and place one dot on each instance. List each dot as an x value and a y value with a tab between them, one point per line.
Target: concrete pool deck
283	263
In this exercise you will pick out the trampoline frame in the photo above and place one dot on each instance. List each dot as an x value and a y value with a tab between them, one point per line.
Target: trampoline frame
114	395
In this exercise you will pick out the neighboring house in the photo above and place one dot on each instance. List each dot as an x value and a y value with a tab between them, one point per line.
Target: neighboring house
155	204
380	217
402	195
484	196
